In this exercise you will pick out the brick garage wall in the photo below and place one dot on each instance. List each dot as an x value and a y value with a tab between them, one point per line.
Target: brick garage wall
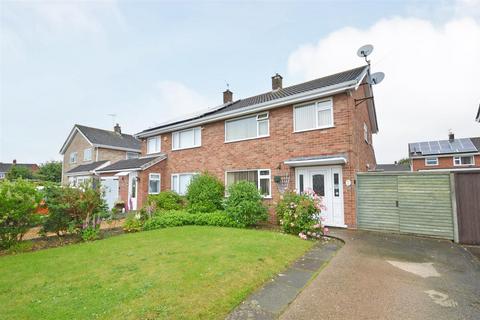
217	157
143	182
443	163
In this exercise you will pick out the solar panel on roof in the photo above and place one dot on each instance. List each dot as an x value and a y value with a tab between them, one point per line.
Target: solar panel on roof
463	145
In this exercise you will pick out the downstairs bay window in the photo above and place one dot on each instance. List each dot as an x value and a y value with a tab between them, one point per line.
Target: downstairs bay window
181	181
261	178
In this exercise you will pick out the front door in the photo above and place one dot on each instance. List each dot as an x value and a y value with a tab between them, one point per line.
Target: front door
132	190
327	183
110	186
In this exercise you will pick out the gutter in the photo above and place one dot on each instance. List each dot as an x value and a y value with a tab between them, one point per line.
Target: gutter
319	93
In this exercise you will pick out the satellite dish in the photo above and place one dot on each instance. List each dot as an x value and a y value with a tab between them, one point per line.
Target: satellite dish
377	77
365	51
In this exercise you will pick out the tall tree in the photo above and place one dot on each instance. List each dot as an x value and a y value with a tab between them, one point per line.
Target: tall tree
50	171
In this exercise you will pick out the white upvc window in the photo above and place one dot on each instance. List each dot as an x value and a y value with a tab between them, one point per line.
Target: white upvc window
154	183
260	177
73	157
153	145
185	139
250	127
365	132
132	155
463	161
181	181
313	115
87	154
2	175
431	161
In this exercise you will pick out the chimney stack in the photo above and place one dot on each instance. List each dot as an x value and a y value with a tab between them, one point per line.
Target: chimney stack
14	161
276	82
117	129
451	136
227	96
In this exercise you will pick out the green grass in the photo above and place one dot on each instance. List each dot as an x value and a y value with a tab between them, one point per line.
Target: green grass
176	273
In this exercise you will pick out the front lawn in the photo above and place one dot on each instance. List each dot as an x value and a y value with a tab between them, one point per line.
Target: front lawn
179	273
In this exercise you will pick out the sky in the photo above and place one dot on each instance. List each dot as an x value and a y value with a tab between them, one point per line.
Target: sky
67	62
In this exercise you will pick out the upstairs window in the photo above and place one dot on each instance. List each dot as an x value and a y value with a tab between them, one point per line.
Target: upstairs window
463	161
250	127
132	155
73	157
185	139
153	145
261	178
315	115
87	154
431	161
365	132
154	183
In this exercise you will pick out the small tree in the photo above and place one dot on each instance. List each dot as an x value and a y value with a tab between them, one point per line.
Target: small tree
244	203
205	193
18	201
50	171
19	172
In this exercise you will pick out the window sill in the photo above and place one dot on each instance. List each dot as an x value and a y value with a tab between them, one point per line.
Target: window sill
239	140
306	130
180	149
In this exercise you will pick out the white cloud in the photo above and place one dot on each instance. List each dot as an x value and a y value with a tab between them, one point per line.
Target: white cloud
167	100
431	82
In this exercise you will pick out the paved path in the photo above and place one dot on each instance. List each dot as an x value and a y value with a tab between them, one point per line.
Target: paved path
384	276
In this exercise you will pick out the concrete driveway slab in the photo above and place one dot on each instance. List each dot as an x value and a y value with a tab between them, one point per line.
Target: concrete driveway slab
386	276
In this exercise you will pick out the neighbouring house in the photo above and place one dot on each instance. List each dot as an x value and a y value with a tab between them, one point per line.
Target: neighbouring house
89	149
392	167
445	155
5	167
314	135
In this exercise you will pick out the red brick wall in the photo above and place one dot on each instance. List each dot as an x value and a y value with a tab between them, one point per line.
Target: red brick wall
443	163
216	156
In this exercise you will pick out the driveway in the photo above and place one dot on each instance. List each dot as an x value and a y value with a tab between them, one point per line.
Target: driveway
385	276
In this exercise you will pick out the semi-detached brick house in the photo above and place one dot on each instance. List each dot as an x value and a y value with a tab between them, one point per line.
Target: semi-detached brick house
316	135
445	155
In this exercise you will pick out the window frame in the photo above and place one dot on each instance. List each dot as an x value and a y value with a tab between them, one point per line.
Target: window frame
199	128
460	164
172	187
259	176
258	120
75	156
137	155
91	154
317	127
159	182
430	164
159	144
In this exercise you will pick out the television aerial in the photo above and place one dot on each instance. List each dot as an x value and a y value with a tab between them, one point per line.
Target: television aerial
365	51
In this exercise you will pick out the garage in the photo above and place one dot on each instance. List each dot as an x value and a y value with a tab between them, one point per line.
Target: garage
110	186
412	202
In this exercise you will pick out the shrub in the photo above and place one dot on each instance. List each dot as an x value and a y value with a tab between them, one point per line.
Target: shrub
133	223
205	193
90	233
182	218
244	203
300	214
19	172
58	219
166	200
18	202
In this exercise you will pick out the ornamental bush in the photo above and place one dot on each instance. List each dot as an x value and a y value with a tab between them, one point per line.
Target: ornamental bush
300	214
205	193
166	200
244	203
18	202
182	218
